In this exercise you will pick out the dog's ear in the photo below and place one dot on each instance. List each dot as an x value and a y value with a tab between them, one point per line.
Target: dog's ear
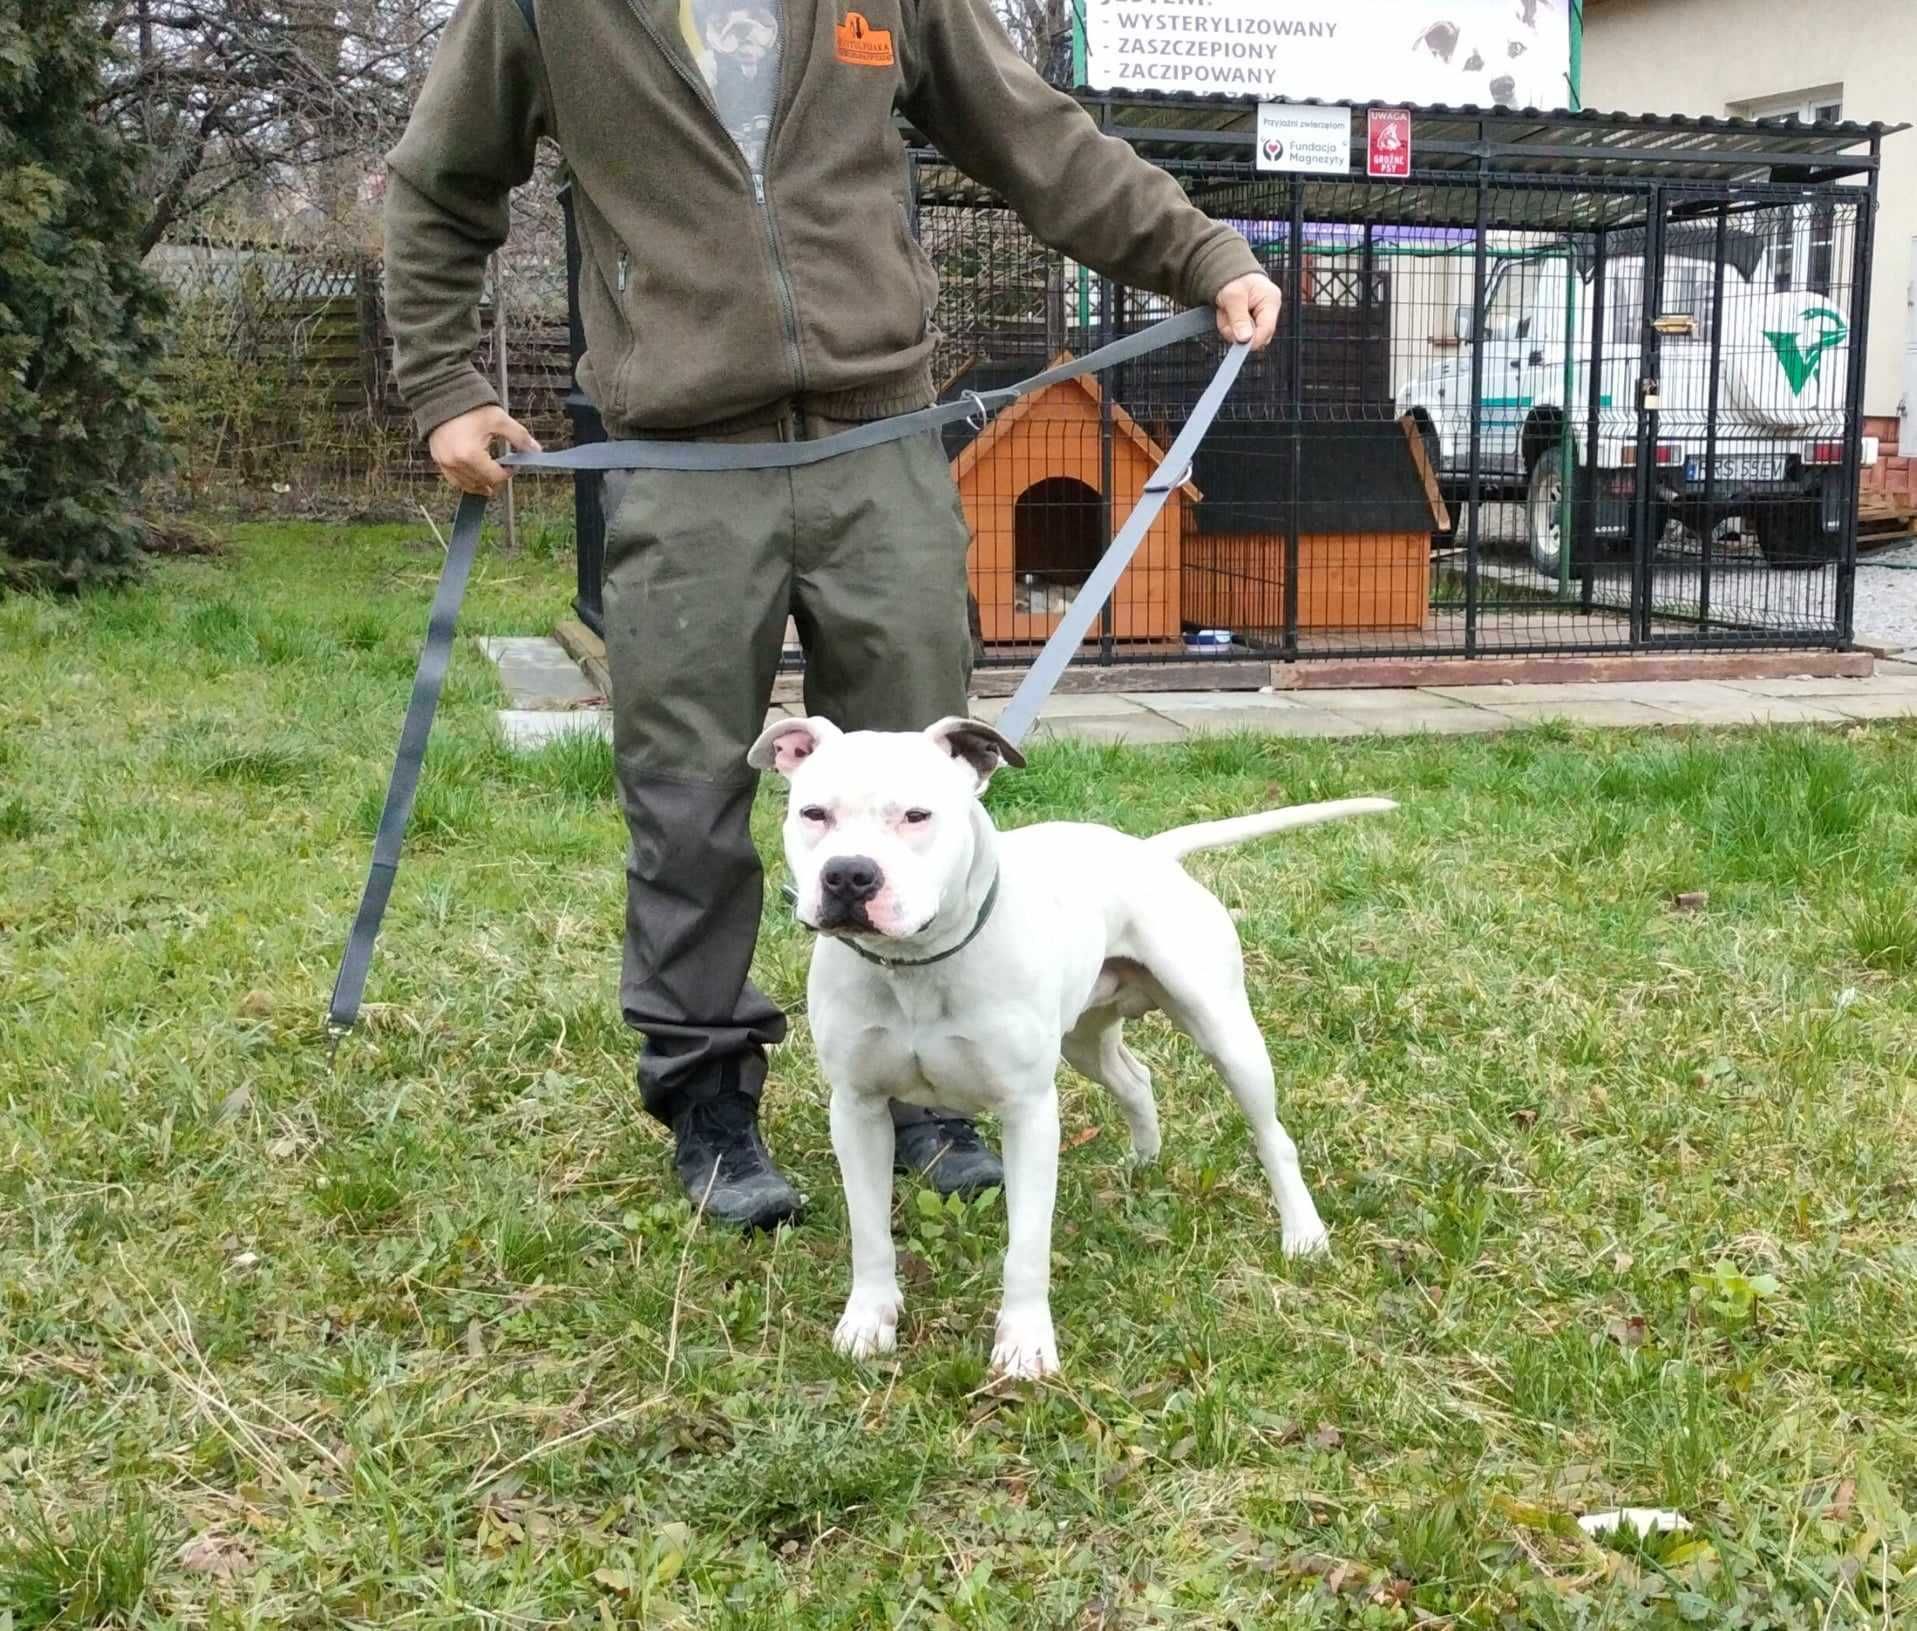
787	743
978	745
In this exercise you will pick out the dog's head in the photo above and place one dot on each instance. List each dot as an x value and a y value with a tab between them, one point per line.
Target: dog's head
879	827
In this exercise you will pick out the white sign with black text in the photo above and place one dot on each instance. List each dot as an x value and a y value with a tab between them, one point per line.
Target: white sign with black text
1490	53
1316	141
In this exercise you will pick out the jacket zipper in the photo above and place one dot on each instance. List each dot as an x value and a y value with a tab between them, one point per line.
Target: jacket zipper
788	305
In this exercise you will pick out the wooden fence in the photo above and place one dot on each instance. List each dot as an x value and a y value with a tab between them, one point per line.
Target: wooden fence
291	379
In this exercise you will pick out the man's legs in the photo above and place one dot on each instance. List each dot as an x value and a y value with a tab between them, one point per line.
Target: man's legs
880	598
697	582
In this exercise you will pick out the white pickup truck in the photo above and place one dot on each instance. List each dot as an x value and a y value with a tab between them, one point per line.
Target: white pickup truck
1784	371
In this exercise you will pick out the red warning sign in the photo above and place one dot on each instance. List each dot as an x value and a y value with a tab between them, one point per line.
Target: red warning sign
1388	147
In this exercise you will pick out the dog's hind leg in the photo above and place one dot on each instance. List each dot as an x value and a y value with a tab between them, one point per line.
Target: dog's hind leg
1220	1021
1095	1048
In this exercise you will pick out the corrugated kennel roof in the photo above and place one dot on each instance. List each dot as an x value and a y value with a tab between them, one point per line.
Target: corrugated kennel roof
1563	171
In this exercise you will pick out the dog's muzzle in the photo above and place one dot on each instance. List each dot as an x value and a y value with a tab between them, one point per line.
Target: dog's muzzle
846	883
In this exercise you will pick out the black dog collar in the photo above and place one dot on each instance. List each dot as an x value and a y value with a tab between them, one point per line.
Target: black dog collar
984	917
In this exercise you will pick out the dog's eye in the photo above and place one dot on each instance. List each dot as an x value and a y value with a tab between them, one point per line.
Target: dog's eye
915	818
813	812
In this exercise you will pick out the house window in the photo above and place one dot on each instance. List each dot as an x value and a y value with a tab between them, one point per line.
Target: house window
1819	107
1823	246
1803	240
1803	248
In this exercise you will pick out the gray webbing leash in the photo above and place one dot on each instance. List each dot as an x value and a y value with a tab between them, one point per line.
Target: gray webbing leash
975	407
1021	713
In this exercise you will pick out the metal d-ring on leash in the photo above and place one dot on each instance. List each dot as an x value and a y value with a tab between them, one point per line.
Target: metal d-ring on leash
973	407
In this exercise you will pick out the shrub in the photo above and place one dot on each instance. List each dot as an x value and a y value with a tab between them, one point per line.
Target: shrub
78	315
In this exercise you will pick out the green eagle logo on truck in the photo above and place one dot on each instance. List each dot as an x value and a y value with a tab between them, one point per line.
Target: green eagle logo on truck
1825	328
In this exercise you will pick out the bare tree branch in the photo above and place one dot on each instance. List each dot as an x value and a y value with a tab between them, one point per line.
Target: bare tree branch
1042	31
284	105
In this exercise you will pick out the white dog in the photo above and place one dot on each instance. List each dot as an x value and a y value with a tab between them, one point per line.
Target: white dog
955	964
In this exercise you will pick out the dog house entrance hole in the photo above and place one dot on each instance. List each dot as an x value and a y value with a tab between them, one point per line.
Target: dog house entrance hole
1058	534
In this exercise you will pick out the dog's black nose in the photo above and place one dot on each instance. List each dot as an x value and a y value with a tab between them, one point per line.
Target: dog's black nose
850	877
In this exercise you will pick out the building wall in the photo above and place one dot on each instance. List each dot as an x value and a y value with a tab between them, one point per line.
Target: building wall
1709	56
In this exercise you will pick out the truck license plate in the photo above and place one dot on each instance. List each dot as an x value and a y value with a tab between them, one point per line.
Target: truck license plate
1739	467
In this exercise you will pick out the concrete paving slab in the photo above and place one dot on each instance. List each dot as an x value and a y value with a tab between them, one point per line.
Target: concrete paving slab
1224	701
1809	687
1652	691
1746	709
1140	730
1071	705
537	673
1387	701
1293	721
1585	711
552	697
1882	705
1449	719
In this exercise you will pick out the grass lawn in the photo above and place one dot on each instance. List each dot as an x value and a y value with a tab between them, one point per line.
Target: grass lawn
1621	1196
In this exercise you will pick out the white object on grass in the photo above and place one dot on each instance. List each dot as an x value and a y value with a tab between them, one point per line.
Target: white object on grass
1644	1519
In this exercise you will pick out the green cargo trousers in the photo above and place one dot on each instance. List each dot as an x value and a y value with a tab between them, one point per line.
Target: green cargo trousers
866	552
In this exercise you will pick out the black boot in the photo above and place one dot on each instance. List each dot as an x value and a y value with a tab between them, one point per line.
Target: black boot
725	1166
947	1151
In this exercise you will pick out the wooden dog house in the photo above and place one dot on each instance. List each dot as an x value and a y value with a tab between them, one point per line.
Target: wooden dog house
1031	483
1365	502
1364	497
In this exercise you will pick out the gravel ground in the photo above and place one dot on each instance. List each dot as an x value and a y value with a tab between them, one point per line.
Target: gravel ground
1886	613
1887	599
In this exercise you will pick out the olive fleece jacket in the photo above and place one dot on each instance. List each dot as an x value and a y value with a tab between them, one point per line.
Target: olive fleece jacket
714	298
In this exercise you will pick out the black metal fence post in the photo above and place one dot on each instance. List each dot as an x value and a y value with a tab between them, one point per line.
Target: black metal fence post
1852	496
1294	403
1110	295
1479	260
1649	396
1367	271
1711	399
1594	414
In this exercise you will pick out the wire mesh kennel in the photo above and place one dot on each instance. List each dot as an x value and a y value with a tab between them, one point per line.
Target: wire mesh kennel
1579	383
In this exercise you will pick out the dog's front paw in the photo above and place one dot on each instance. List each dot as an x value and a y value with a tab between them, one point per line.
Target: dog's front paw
868	1327
1313	1241
1027	1347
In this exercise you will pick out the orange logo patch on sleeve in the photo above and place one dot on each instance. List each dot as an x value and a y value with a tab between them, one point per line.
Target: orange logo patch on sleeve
862	45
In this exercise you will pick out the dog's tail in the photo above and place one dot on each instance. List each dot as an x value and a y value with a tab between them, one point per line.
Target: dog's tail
1183	841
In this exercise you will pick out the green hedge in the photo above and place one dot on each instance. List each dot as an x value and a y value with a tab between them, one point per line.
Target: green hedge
78	317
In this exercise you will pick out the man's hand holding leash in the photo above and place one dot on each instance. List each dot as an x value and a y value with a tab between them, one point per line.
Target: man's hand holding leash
463	449
1248	309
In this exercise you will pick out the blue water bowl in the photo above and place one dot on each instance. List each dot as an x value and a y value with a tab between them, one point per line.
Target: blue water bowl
1208	642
